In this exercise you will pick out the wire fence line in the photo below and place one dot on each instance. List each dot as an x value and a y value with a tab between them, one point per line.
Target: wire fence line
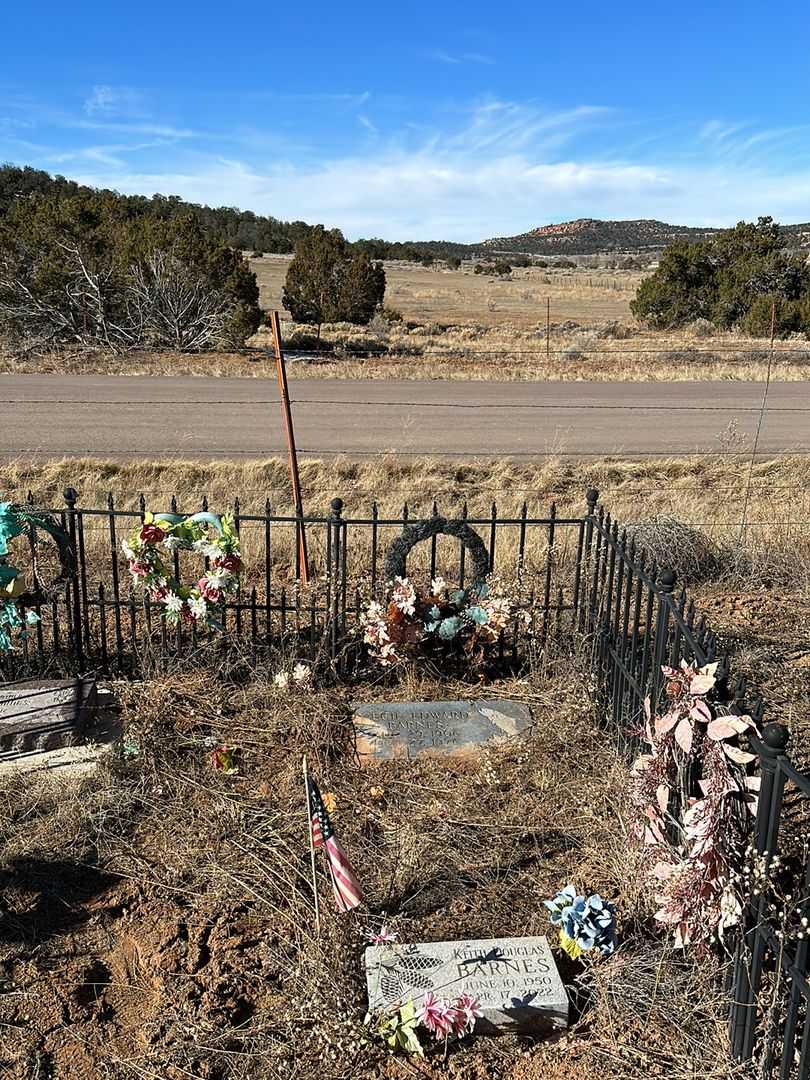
584	406
586	346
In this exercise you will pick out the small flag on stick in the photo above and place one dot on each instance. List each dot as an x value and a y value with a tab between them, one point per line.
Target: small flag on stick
345	885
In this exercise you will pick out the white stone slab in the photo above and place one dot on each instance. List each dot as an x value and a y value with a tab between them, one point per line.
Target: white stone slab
515	980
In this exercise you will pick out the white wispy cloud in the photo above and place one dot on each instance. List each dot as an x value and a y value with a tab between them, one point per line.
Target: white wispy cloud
166	131
494	167
441	56
116	101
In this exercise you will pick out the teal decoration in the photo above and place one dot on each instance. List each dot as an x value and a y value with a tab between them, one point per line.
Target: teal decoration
7	574
477	614
203	518
448	628
9	526
14	619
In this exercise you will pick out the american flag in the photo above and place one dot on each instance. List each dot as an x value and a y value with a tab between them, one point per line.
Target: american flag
348	893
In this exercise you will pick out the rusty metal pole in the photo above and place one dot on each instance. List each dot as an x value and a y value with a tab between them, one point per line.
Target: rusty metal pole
303	563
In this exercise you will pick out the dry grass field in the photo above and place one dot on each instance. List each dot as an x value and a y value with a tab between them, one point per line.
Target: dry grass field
427	294
459	325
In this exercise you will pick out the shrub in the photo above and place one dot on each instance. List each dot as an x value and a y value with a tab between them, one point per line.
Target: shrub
789	316
501	268
81	270
676	546
615	330
573	353
327	283
453	262
739	271
702	328
564	264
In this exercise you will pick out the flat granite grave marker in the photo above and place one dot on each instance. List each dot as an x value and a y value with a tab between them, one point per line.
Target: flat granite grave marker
514	979
39	715
409	729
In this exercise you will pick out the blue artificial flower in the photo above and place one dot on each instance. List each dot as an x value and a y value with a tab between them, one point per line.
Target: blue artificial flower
458	597
587	922
432	618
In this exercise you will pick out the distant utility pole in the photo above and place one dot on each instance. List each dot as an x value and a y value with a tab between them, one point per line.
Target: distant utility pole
302	563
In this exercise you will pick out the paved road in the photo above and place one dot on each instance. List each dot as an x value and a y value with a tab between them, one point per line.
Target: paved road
121	417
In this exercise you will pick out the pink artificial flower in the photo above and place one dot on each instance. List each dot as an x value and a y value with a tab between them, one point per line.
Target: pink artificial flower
208	592
231	563
160	593
152	534
138	569
468	1010
383	936
438	1016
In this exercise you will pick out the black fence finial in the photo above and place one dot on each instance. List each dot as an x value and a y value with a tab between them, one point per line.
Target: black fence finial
666	581
776	737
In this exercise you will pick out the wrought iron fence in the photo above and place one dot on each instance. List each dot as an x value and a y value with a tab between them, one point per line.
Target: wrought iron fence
637	622
99	620
770	1018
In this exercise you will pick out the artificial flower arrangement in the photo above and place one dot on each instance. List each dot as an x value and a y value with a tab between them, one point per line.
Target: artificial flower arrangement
159	536
584	923
14	616
300	676
414	620
696	843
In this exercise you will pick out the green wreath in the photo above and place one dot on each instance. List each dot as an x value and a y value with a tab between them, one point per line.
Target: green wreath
15	599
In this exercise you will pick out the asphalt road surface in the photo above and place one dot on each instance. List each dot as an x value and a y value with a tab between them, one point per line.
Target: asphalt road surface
120	417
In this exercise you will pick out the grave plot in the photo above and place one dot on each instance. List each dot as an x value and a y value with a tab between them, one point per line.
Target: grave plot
407	844
171	903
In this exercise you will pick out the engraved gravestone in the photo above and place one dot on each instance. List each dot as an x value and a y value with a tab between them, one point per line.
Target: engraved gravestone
400	729
39	715
515	980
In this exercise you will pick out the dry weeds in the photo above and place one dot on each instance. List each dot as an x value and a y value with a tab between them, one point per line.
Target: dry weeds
702	493
159	920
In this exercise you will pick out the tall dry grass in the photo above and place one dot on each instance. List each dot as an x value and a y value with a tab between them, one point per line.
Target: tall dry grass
506	352
707	492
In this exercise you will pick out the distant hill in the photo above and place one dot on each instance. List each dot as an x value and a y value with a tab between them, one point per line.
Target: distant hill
256	232
589	236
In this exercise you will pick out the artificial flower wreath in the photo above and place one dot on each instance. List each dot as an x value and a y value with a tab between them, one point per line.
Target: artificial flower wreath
15	614
159	536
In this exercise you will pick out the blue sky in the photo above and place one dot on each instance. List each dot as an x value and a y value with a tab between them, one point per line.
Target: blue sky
440	120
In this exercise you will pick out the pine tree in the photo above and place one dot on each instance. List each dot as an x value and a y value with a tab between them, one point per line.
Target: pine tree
326	283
